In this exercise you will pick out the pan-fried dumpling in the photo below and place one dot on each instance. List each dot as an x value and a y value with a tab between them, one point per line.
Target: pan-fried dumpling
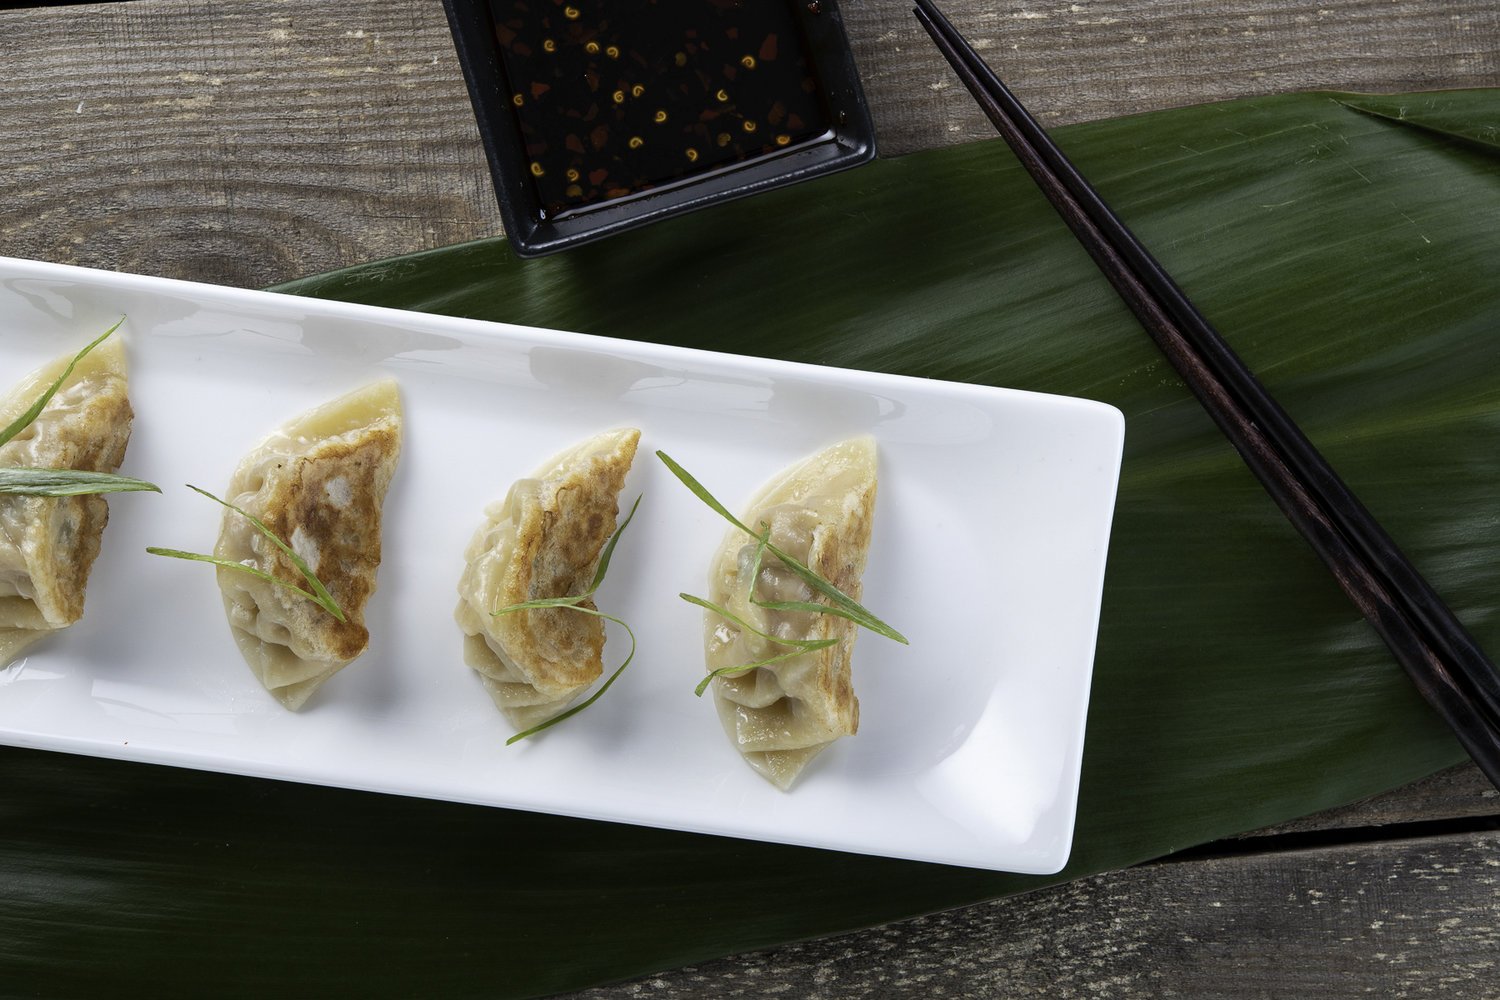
318	483
48	544
543	540
819	512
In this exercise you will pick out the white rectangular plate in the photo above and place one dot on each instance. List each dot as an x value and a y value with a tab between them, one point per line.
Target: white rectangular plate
990	534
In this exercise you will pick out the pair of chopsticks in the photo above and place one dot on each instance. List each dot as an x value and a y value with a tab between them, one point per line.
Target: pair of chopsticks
1438	654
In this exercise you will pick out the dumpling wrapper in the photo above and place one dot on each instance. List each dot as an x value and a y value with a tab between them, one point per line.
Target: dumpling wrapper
819	511
318	482
48	544
543	540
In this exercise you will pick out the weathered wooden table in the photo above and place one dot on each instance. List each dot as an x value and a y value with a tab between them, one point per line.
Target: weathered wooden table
252	142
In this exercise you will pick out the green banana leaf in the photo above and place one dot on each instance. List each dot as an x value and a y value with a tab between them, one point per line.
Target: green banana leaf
1346	245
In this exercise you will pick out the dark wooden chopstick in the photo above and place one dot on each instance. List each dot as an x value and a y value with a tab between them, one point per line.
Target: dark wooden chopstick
1442	659
1418	598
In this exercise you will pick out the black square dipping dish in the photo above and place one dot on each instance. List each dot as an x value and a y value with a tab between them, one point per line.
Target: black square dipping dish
602	115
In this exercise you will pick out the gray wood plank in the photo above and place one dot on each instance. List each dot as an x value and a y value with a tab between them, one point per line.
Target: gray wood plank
1458	793
1406	918
1077	61
258	141
243	143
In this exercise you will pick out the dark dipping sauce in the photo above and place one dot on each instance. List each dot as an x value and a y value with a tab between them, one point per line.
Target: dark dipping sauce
618	97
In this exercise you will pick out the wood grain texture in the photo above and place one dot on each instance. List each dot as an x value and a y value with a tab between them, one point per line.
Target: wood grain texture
1077	61
242	143
1459	793
254	142
1248	919
1410	918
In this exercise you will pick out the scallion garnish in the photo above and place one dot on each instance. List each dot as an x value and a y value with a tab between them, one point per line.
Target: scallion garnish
801	645
843	605
68	483
602	688
744	668
63	482
724	612
318	593
24	420
572	603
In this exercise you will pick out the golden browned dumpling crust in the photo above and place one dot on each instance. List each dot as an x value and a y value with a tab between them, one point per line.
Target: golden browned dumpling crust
319	483
543	540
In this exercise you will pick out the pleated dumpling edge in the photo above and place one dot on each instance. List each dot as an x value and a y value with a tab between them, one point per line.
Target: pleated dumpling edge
820	511
48	544
543	540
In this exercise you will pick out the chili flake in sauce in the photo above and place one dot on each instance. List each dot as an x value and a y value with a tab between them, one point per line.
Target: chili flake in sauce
616	97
